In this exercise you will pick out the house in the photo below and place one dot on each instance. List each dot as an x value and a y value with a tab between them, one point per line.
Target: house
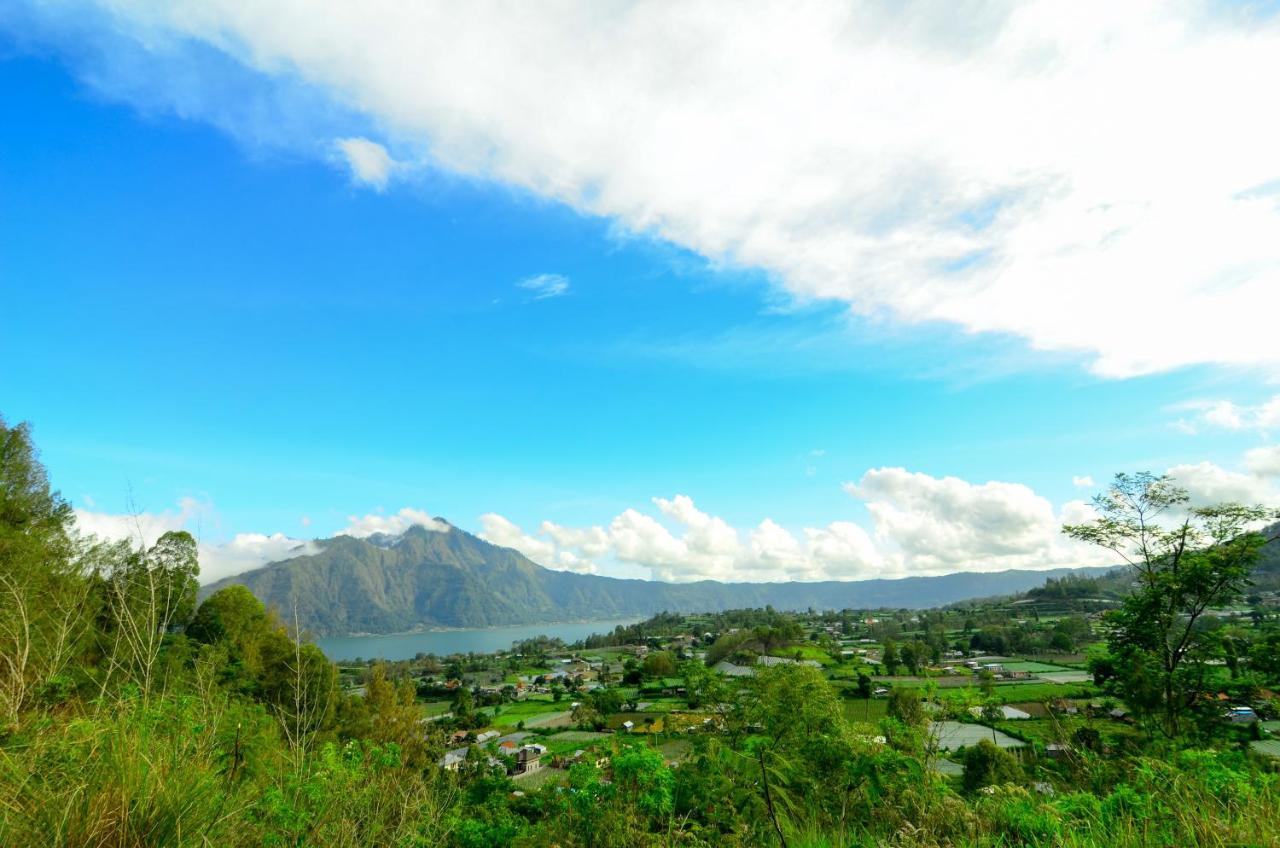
487	736
453	760
628	726
529	758
1241	715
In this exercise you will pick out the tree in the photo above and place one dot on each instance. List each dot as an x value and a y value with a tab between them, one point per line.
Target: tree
890	657
864	686
986	764
909	657
1187	560
45	608
659	664
906	705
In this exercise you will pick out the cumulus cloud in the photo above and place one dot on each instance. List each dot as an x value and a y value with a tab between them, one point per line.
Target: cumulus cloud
501	531
369	161
1208	483
376	522
935	525
1083	482
1227	415
1014	168
1264	462
247	551
141	528
244	551
921	525
544	286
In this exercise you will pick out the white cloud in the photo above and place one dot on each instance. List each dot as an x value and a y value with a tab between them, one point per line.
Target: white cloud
1083	482
501	531
544	286
1264	462
247	551
244	552
1208	484
937	525
141	528
1227	415
376	522
1097	180
922	525
369	161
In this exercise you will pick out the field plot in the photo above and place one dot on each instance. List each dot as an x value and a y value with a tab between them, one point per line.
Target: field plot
1033	667
1067	676
562	718
867	711
953	734
578	736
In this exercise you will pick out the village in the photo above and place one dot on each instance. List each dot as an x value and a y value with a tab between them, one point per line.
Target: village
1015	675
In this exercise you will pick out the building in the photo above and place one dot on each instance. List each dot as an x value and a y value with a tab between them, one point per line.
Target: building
529	758
453	760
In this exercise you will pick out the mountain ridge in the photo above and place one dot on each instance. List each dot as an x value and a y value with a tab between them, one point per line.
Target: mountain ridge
428	578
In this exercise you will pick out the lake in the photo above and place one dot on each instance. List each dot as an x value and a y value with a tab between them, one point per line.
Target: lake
403	646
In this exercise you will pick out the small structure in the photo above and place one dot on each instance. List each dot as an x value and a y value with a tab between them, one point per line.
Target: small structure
1241	715
487	736
453	760
628	726
529	758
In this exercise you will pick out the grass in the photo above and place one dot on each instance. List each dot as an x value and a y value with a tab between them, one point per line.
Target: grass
1032	666
866	711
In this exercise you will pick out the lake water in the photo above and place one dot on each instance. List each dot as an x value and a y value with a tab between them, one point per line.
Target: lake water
442	642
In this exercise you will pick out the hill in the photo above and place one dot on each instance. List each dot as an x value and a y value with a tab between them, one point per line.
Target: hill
425	578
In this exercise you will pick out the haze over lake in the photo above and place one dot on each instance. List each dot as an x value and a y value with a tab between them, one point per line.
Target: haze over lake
402	646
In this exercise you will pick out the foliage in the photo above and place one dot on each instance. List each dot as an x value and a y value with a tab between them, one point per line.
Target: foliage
1188	560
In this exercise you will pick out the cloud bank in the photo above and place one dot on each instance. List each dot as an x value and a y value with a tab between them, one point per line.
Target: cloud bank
392	525
243	552
919	525
1099	180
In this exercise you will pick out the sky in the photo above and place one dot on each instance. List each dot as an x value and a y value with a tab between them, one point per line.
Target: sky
674	291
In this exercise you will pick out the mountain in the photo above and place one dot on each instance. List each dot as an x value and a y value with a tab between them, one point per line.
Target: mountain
426	578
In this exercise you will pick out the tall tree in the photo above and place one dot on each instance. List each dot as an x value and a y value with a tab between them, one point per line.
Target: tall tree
1187	560
44	607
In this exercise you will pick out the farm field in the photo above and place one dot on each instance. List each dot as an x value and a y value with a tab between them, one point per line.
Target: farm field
953	734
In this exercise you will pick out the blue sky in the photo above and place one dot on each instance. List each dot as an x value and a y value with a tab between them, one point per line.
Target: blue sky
224	322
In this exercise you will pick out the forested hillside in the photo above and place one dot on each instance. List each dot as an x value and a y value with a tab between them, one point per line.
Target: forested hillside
427	578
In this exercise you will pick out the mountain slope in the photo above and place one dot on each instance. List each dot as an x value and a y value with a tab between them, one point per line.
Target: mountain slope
426	578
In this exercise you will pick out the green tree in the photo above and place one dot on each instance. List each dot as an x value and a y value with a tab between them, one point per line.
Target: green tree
986	764
906	705
1187	560
45	603
659	664
890	657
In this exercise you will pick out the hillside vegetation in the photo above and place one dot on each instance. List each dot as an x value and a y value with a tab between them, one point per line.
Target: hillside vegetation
131	715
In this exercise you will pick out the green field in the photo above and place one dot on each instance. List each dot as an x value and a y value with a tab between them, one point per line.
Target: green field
1033	667
870	710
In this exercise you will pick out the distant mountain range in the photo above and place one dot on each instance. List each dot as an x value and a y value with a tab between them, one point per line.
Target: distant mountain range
426	578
